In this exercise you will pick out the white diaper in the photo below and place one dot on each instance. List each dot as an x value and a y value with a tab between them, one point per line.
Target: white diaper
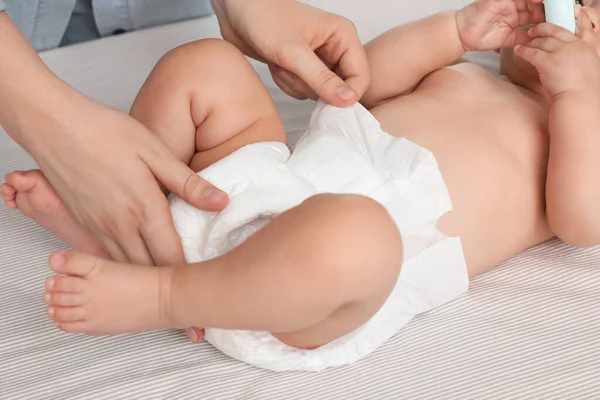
343	151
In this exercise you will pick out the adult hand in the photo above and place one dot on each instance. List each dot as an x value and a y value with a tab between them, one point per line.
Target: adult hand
105	165
311	53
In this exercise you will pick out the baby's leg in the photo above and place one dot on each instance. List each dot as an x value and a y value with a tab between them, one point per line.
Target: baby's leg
203	99
313	274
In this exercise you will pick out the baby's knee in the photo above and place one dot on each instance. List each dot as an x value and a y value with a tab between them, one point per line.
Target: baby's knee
359	245
204	56
352	211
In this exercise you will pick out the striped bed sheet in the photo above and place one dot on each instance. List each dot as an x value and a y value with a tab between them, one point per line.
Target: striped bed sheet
528	329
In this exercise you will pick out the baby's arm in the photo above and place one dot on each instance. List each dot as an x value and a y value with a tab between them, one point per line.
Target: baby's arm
573	184
569	69
401	58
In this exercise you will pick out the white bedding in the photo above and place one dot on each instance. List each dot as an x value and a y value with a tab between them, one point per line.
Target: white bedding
529	329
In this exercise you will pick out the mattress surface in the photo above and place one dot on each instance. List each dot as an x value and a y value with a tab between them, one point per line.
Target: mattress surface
528	329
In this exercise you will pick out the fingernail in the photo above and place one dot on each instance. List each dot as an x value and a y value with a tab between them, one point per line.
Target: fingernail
213	195
192	335
345	93
47	297
50	283
51	311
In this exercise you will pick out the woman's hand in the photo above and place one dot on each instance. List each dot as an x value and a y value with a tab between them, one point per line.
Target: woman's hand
105	165
493	24
311	53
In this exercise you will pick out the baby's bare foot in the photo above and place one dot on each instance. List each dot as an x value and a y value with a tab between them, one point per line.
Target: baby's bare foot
101	297
31	193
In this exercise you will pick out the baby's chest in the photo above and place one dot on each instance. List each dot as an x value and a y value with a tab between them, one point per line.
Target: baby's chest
463	83
466	96
474	121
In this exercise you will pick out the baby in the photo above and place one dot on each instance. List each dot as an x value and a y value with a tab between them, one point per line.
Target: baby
518	154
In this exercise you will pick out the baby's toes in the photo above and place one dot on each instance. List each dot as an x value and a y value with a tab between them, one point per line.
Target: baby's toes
66	314
65	284
7	191
73	263
9	195
63	299
73	327
22	181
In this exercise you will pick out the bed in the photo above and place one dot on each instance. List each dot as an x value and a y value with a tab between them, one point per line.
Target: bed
528	329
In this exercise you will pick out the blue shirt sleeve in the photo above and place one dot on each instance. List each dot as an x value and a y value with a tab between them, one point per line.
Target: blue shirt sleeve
124	15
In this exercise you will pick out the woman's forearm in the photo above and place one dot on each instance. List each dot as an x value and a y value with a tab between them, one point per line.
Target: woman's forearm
28	90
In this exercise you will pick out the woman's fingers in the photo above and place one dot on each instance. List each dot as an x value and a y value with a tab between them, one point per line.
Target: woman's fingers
290	84
302	61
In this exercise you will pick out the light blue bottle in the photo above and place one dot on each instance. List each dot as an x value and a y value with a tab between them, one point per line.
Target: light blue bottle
562	13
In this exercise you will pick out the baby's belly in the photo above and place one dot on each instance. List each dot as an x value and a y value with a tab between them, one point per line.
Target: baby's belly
494	167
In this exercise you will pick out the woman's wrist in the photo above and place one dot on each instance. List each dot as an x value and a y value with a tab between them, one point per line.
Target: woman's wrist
30	94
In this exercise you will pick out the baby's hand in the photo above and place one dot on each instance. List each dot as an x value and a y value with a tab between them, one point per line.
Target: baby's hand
493	24
564	61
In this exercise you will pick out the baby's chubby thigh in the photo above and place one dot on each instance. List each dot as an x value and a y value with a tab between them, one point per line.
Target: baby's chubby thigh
356	249
344	251
330	256
204	100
